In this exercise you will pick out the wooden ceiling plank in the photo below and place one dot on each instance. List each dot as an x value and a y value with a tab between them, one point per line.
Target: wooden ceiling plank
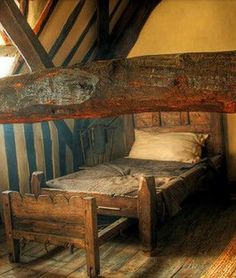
24	7
44	16
103	20
66	29
129	25
175	82
23	36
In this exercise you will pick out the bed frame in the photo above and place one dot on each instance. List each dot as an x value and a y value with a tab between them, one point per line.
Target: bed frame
42	219
144	206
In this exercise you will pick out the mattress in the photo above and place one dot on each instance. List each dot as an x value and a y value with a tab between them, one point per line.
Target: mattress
173	180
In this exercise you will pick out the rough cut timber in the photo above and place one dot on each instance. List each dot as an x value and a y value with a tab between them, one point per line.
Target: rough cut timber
23	36
179	82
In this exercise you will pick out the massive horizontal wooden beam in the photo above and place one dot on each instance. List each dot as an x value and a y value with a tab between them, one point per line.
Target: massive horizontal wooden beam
179	82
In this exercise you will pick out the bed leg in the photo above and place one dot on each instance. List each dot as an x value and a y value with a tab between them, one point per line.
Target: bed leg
147	214
37	181
91	237
13	245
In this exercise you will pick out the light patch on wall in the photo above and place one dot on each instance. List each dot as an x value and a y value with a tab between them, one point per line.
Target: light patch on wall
5	65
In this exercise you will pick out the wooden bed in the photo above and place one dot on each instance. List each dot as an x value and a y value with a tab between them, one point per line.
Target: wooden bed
148	202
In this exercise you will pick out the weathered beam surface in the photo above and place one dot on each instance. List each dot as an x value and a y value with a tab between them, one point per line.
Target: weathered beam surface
23	36
180	82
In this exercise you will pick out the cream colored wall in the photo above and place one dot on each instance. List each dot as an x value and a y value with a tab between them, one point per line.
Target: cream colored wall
193	26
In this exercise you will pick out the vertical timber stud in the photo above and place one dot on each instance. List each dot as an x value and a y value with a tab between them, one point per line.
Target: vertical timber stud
103	37
17	28
91	237
37	182
147	213
13	245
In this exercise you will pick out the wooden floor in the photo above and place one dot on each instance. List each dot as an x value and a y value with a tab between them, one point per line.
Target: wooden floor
199	242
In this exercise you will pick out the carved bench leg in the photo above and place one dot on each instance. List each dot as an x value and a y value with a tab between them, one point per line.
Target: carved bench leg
13	245
91	238
147	213
37	182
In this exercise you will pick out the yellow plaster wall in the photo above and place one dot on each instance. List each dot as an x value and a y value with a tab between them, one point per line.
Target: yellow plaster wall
193	26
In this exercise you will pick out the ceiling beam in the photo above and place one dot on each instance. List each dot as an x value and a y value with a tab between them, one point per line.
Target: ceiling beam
176	82
22	36
38	28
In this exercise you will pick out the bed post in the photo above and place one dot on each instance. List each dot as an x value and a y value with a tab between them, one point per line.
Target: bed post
91	237
13	245
147	213
37	181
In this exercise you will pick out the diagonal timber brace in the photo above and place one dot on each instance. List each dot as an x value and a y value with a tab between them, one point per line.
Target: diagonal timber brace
176	82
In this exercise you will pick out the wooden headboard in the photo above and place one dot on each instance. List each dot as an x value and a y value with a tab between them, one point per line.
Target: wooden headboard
198	122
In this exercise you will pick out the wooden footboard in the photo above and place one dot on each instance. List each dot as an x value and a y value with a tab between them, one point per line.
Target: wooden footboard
143	207
59	221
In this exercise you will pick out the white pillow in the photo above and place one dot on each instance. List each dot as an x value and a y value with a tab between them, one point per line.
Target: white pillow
171	146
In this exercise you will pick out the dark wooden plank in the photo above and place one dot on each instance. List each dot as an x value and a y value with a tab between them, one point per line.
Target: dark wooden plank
47	238
102	28
46	209
175	82
13	245
129	25
147	214
37	182
62	228
113	230
38	28
22	36
107	204
66	29
46	13
24	7
91	237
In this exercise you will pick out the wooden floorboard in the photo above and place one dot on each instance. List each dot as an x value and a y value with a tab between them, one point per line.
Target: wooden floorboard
199	242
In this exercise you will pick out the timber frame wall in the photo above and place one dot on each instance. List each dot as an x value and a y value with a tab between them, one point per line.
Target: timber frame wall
59	147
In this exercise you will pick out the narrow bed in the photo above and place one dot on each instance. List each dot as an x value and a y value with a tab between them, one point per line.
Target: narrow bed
145	188
121	178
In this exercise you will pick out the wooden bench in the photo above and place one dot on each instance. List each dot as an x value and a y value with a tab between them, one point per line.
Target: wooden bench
58	221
